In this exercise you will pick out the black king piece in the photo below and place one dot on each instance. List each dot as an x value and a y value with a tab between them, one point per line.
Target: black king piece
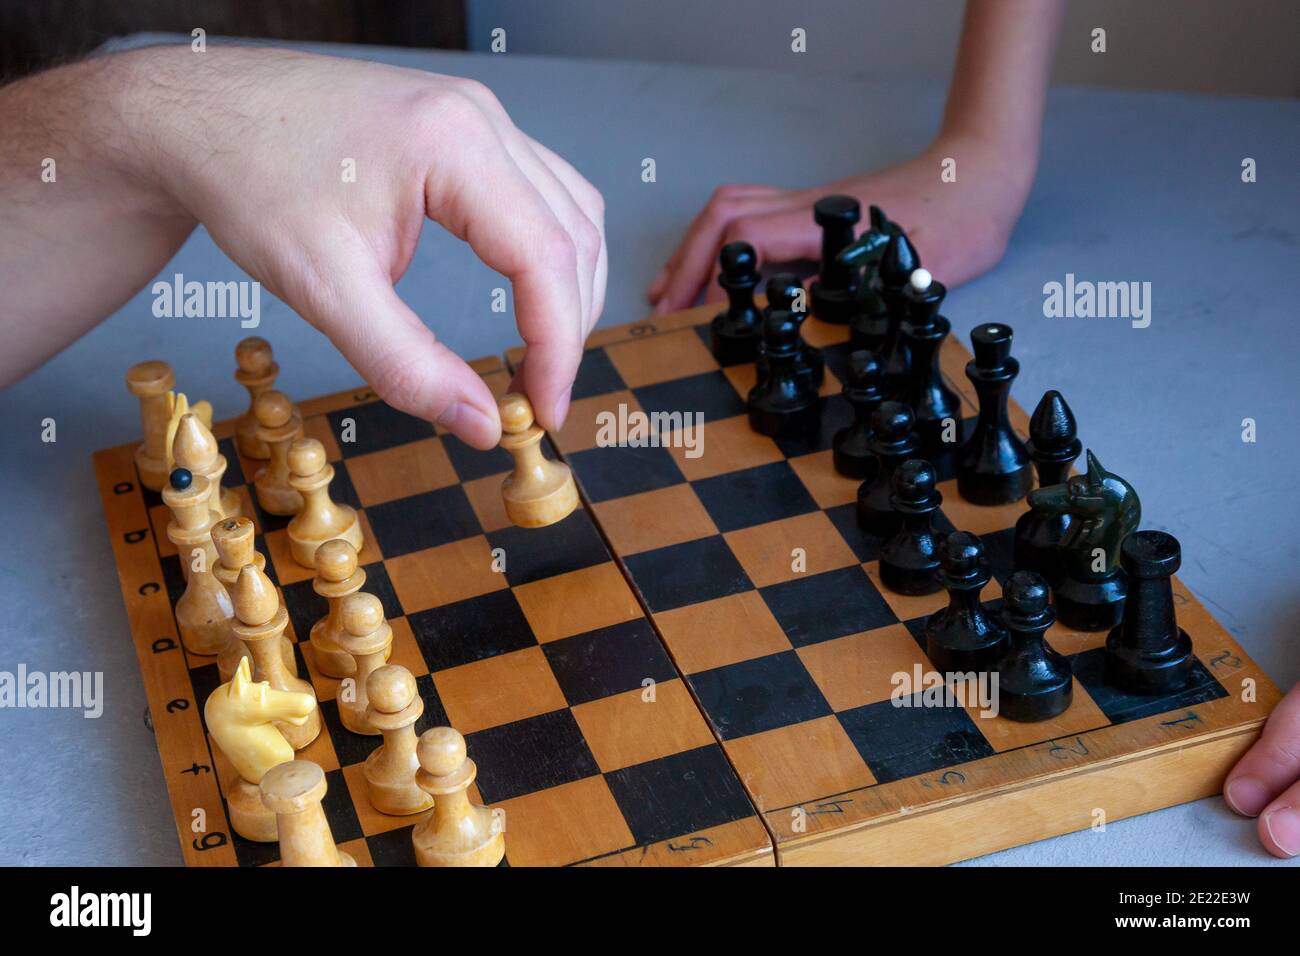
993	466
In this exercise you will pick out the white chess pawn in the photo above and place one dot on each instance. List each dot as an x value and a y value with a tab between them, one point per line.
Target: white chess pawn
539	491
320	519
294	791
390	770
458	832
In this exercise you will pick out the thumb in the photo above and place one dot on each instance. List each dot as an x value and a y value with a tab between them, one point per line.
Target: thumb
402	360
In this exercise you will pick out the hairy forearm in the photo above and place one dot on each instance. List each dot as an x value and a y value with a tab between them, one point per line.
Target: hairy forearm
84	221
999	83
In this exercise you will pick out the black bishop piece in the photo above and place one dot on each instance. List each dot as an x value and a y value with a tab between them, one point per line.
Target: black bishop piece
851	448
835	291
964	637
909	562
891	444
1053	445
1147	652
1034	681
936	406
896	267
735	334
993	466
783	405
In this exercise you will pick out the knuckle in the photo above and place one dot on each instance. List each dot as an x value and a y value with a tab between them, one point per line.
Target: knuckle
558	251
587	239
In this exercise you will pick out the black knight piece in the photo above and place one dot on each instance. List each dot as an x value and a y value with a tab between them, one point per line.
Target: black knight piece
869	325
909	562
993	466
850	448
735	334
1053	446
785	292
835	291
1104	509
1034	681
891	444
1148	653
784	405
936	406
964	637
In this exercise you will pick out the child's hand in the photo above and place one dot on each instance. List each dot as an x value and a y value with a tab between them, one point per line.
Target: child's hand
1266	781
960	227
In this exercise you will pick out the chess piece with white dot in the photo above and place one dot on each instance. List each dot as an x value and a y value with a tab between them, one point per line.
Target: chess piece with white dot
539	491
390	770
459	832
320	519
294	791
279	426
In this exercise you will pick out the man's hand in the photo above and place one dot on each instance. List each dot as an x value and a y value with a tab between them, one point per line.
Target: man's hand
250	142
1266	781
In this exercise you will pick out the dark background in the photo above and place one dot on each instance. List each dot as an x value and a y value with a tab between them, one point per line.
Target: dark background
35	34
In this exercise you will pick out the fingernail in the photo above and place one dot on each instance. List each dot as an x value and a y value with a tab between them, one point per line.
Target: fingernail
1283	826
464	419
1247	796
561	409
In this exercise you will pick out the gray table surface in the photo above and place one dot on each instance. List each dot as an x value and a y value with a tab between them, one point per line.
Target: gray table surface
1132	186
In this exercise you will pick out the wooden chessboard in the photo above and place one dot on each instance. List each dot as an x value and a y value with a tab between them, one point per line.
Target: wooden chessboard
766	734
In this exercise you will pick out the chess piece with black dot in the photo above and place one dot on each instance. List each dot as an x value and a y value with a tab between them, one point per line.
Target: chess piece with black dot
964	637
936	406
785	292
736	332
891	444
783	405
850	448
1147	652
835	291
1053	446
993	466
1034	681
897	264
909	562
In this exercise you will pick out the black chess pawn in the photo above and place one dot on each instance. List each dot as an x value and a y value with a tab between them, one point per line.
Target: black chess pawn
909	562
891	444
735	334
850	448
899	261
1034	681
1053	446
1147	652
783	405
785	292
835	291
993	466
936	406
964	637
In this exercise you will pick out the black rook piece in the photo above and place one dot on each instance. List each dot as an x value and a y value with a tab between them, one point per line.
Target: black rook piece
851	450
835	291
1034	681
896	267
924	389
964	637
993	466
180	478
785	292
1147	652
735	334
909	562
783	405
1053	446
891	444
